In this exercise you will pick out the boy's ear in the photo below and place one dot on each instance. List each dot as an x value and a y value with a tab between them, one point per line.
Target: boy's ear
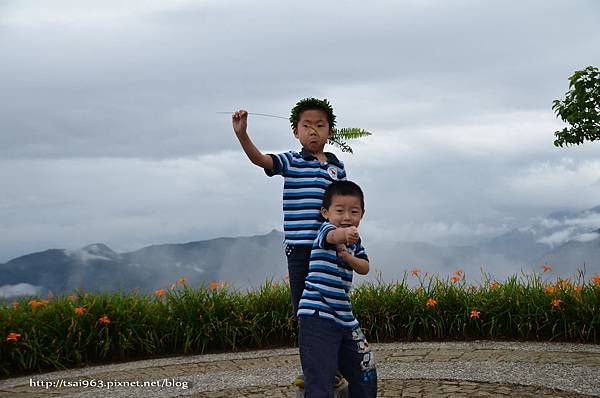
324	213
295	131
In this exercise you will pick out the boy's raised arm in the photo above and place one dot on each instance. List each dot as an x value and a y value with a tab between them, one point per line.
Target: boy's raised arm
240	123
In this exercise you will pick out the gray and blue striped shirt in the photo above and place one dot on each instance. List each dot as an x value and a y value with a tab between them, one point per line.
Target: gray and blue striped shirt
329	281
305	181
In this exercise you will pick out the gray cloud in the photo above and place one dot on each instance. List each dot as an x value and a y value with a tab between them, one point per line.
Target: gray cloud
147	85
108	130
18	290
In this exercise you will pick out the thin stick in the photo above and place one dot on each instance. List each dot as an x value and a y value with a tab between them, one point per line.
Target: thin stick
258	114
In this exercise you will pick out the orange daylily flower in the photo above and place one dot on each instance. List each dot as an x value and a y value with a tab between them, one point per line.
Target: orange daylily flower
160	292
415	271
275	285
431	302
494	285
455	279
459	271
547	268
595	279
286	278
474	314
104	319
181	281
37	303
214	285
578	289
79	310
550	290
13	336
556	303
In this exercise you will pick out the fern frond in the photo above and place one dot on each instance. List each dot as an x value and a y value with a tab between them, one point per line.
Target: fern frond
339	137
340	144
350	133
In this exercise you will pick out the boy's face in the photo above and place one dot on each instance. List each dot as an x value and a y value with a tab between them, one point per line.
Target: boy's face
313	130
344	211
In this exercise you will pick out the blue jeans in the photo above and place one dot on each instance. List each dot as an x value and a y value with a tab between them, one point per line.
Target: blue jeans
298	257
326	346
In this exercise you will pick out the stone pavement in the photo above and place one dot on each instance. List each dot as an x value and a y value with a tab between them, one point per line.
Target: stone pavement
430	369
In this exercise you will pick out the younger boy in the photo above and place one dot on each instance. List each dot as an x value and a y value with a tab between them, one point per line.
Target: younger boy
306	175
330	336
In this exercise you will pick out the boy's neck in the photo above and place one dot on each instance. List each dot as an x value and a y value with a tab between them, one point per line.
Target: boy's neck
321	157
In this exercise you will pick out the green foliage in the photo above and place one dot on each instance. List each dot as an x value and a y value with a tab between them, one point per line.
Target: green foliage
339	137
312	103
580	108
81	328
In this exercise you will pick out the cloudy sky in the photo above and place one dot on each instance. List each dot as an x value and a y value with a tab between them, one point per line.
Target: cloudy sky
109	131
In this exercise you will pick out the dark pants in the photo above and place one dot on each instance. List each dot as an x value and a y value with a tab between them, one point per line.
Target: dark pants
298	257
326	346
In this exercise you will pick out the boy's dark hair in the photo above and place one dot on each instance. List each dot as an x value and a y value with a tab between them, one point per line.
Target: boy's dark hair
310	104
343	188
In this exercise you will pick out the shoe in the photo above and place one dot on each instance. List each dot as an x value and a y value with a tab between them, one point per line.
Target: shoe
299	381
338	379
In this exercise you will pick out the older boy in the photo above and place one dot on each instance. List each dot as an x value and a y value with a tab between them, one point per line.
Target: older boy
306	175
330	336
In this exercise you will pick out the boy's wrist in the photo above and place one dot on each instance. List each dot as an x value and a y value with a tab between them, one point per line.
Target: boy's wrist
341	236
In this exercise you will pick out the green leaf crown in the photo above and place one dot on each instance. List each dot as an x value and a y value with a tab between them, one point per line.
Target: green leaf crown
312	103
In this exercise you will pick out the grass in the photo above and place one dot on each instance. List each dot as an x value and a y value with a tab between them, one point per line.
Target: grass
66	331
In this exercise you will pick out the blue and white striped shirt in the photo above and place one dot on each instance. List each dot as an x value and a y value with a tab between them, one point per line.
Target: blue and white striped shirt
305	181
329	281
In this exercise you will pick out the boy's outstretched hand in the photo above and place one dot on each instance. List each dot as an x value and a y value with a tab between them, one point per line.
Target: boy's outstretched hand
240	121
352	235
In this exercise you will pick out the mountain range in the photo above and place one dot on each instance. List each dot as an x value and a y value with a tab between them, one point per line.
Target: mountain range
567	241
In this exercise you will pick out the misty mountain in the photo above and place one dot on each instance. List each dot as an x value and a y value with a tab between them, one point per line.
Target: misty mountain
565	240
244	261
584	254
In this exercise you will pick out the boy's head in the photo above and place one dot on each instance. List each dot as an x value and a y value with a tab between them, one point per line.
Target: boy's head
312	120
343	204
312	104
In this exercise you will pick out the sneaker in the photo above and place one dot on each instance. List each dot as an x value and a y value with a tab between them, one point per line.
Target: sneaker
338	379
299	381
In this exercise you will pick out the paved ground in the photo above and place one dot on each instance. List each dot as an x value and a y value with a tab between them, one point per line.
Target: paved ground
452	369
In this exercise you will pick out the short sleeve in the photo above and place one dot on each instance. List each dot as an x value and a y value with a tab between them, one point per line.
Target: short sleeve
342	173
321	241
277	165
360	251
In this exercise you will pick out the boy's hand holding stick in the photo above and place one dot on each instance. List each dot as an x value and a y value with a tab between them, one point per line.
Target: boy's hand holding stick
239	120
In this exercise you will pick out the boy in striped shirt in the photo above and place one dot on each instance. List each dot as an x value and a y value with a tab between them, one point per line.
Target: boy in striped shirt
330	337
306	175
